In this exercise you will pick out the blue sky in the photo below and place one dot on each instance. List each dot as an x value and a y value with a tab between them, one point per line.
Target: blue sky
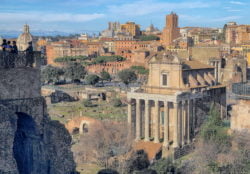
93	15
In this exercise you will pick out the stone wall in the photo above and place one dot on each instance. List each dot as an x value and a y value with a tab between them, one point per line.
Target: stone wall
240	119
30	143
19	83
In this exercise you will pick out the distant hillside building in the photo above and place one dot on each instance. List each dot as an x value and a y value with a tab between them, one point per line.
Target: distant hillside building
113	29
132	28
65	48
24	38
171	30
237	34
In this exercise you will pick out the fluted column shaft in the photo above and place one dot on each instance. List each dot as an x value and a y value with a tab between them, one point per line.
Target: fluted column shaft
166	124
147	112
156	125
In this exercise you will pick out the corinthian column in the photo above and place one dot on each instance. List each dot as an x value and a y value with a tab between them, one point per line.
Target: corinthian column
156	125
147	107
166	125
138	120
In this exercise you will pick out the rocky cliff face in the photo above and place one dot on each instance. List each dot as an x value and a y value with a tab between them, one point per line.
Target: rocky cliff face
29	147
30	143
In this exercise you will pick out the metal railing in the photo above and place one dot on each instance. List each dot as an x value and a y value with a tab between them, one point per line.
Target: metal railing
20	59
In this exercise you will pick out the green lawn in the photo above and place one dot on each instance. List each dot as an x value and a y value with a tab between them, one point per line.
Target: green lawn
103	110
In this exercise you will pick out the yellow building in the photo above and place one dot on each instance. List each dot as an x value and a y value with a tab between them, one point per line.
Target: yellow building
132	28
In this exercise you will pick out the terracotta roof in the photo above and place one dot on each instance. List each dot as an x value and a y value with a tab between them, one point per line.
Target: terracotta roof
191	64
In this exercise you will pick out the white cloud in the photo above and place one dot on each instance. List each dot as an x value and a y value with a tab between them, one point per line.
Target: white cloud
233	10
144	7
226	19
7	17
237	2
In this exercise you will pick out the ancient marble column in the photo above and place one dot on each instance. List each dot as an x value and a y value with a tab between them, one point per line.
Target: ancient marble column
166	125
147	112
175	134
156	125
194	116
188	120
129	112
138	120
183	122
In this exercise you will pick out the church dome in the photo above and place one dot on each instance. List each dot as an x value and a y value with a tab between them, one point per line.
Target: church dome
24	38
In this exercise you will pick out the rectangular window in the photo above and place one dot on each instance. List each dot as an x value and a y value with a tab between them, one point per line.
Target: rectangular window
164	80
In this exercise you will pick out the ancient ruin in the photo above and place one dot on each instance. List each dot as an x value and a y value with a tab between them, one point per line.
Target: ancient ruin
170	108
30	143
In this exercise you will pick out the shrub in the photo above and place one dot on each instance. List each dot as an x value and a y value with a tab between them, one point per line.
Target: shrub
105	76
165	166
117	102
138	161
213	129
140	70
92	79
127	76
87	103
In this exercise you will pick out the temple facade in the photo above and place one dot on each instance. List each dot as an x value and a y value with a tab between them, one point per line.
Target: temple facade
170	108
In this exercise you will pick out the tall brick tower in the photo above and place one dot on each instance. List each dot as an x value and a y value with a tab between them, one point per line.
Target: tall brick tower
171	31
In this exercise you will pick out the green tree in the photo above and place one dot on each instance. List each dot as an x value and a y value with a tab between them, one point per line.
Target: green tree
148	38
127	76
140	70
105	76
213	129
75	72
51	74
92	79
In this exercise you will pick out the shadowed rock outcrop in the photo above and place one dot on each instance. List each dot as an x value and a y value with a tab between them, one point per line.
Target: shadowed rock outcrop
30	143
